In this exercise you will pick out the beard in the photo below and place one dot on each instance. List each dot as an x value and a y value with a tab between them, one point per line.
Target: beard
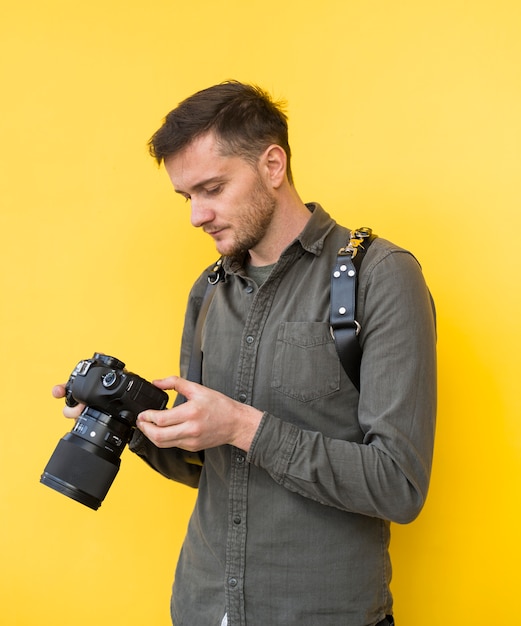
252	223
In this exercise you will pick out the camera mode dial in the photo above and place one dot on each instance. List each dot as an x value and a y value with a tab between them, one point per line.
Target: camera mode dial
109	379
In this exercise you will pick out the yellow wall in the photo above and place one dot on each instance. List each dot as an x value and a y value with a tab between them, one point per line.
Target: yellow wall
405	116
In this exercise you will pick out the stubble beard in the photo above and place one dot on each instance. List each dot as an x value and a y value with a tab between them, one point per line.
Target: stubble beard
253	222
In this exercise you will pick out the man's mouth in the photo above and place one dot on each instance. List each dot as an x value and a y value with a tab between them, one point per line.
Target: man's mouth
214	232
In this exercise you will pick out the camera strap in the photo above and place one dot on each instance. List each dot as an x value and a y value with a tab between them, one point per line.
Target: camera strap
195	364
342	314
342	309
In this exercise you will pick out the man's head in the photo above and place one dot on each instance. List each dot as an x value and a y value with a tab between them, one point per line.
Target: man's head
244	119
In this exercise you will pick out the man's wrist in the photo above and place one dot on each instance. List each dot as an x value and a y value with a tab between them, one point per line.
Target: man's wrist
248	422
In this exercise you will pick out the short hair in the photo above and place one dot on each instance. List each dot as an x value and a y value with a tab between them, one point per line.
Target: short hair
244	118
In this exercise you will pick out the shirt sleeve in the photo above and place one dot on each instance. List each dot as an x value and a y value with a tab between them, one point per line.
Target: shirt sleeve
387	475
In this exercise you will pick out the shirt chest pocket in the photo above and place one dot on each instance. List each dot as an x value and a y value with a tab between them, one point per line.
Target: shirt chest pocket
305	363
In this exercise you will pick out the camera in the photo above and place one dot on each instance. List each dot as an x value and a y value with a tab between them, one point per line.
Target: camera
87	459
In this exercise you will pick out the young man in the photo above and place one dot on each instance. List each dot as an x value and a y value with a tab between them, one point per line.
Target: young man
302	472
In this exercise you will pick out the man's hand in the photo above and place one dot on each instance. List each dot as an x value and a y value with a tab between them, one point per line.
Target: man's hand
207	419
73	412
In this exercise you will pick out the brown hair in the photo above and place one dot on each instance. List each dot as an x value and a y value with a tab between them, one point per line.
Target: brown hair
244	118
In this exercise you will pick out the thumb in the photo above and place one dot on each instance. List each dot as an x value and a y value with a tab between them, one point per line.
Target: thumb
58	391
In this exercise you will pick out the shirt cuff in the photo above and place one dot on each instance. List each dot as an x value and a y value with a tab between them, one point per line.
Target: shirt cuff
273	445
138	443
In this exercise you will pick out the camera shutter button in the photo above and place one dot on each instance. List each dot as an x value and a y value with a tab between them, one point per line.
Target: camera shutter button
109	379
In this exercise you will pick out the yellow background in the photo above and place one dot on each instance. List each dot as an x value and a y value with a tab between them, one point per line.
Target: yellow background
404	116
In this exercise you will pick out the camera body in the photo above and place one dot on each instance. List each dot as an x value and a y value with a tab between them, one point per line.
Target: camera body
86	461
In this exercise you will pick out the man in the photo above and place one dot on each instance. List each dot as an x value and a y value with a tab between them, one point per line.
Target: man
302	472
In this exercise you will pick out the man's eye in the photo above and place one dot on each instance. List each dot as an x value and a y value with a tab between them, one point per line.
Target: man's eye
214	191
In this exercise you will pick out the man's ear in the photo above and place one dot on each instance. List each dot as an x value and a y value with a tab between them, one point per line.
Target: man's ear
273	162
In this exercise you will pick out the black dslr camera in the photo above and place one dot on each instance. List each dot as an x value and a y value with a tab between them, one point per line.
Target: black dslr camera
86	461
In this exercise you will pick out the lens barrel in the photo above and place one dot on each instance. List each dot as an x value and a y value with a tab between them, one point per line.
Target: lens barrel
79	473
86	461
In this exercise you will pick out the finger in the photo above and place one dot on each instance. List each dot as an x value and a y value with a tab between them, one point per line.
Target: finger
73	412
58	391
148	417
166	417
166	383
186	388
164	428
154	428
161	437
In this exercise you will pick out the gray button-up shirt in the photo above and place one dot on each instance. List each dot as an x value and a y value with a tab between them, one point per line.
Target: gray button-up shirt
296	532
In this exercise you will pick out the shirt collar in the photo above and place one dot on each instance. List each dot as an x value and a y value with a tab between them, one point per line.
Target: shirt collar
318	227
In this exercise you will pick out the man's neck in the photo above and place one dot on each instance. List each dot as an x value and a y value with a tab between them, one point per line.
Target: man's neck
289	221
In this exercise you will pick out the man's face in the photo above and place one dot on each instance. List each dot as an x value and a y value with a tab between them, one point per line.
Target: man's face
229	199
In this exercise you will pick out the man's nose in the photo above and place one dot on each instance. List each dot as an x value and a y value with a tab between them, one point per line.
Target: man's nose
201	213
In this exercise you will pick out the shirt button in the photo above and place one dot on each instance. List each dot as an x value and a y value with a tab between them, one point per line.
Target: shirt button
232	582
242	397
240	459
250	339
237	520
249	289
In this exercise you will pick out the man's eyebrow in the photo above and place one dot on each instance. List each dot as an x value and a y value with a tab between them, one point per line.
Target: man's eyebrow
201	185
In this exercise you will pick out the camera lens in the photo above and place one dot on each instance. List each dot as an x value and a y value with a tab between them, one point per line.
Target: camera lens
86	461
75	472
